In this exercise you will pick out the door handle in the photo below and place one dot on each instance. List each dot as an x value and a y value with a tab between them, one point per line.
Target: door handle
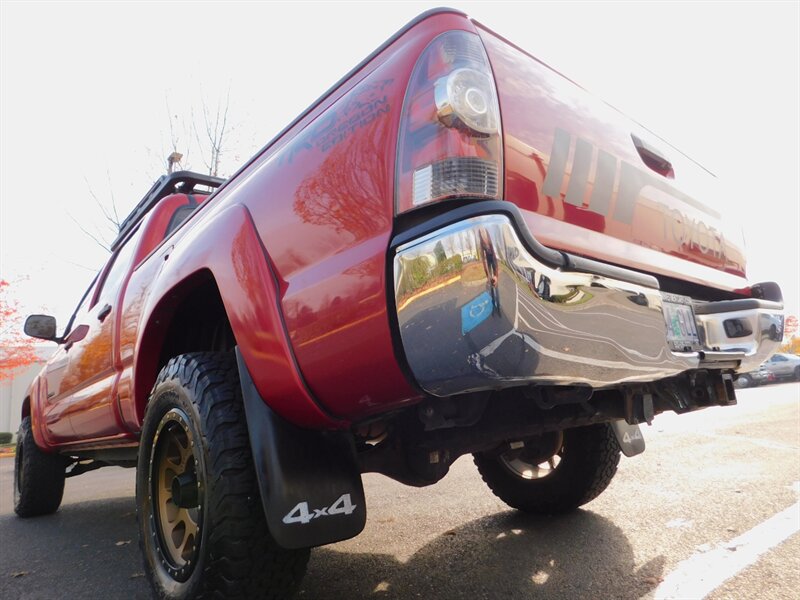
653	157
104	312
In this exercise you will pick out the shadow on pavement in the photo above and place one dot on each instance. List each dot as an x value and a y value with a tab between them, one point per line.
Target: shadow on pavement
508	555
73	553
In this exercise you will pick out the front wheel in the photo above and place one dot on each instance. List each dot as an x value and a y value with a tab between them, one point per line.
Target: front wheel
744	381
202	528
553	473
38	476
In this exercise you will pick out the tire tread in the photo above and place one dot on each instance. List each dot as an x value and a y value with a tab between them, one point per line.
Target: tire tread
44	475
243	561
591	457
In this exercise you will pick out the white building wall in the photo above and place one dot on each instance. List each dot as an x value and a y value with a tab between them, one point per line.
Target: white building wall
12	391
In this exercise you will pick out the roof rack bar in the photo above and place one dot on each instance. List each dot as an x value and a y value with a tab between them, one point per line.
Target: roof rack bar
179	182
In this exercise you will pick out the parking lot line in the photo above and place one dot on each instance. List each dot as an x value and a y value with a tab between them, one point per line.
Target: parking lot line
703	572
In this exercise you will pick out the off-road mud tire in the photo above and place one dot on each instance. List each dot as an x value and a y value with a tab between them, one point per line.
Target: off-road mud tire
589	460
236	556
38	476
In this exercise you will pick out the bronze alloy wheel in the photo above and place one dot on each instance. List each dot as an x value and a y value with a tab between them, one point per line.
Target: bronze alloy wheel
554	473
536	463
202	527
527	470
176	495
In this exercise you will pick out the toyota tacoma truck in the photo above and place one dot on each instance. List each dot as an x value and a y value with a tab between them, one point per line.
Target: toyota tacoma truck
455	250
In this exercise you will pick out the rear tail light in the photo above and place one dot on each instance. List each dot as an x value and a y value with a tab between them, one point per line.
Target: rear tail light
450	140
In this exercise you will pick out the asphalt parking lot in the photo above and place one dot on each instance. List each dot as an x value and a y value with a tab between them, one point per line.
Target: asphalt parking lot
710	509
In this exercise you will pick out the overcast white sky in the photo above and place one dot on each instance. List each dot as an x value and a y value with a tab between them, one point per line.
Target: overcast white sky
83	88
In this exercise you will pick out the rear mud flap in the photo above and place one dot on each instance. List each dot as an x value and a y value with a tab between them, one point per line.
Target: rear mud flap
629	437
309	480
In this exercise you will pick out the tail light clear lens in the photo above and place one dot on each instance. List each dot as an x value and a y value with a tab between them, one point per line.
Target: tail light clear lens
450	140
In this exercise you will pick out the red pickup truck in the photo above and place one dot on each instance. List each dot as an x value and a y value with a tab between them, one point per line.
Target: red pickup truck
455	250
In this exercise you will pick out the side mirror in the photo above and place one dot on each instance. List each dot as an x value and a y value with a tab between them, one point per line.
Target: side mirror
42	327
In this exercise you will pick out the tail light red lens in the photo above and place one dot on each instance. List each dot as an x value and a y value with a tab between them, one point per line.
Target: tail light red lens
450	140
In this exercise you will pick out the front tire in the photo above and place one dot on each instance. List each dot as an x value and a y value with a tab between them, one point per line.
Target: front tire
38	476
744	381
574	468
202	528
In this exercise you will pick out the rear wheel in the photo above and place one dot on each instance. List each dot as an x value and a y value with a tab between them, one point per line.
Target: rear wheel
202	527
38	476
553	473
797	373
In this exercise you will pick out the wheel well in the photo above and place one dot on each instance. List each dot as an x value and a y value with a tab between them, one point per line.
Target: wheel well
199	324
190	318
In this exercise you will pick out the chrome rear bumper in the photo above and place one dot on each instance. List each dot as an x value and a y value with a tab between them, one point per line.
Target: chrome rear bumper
478	309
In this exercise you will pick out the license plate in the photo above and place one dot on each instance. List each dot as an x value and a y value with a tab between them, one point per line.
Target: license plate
679	318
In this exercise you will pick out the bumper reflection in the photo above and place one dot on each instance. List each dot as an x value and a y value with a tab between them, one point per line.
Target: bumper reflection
478	311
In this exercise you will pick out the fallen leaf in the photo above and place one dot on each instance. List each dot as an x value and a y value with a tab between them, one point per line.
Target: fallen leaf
19	574
653	580
450	532
135	575
679	523
123	542
732	547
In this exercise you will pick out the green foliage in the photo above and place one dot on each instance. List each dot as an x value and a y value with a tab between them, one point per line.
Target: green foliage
5	437
419	272
448	266
439	253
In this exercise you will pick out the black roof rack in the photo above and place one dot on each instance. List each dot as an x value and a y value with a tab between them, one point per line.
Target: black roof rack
180	182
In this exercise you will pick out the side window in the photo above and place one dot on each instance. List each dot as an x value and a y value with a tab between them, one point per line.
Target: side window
86	303
119	268
178	217
83	307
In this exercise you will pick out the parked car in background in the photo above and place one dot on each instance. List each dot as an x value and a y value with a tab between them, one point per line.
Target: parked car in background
784	367
760	376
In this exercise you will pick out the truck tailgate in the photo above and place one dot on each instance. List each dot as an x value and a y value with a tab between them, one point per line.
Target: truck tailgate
591	181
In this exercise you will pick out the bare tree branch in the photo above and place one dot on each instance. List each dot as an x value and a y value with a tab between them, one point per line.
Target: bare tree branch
178	155
80	266
117	221
172	137
210	146
100	243
199	142
113	221
215	129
